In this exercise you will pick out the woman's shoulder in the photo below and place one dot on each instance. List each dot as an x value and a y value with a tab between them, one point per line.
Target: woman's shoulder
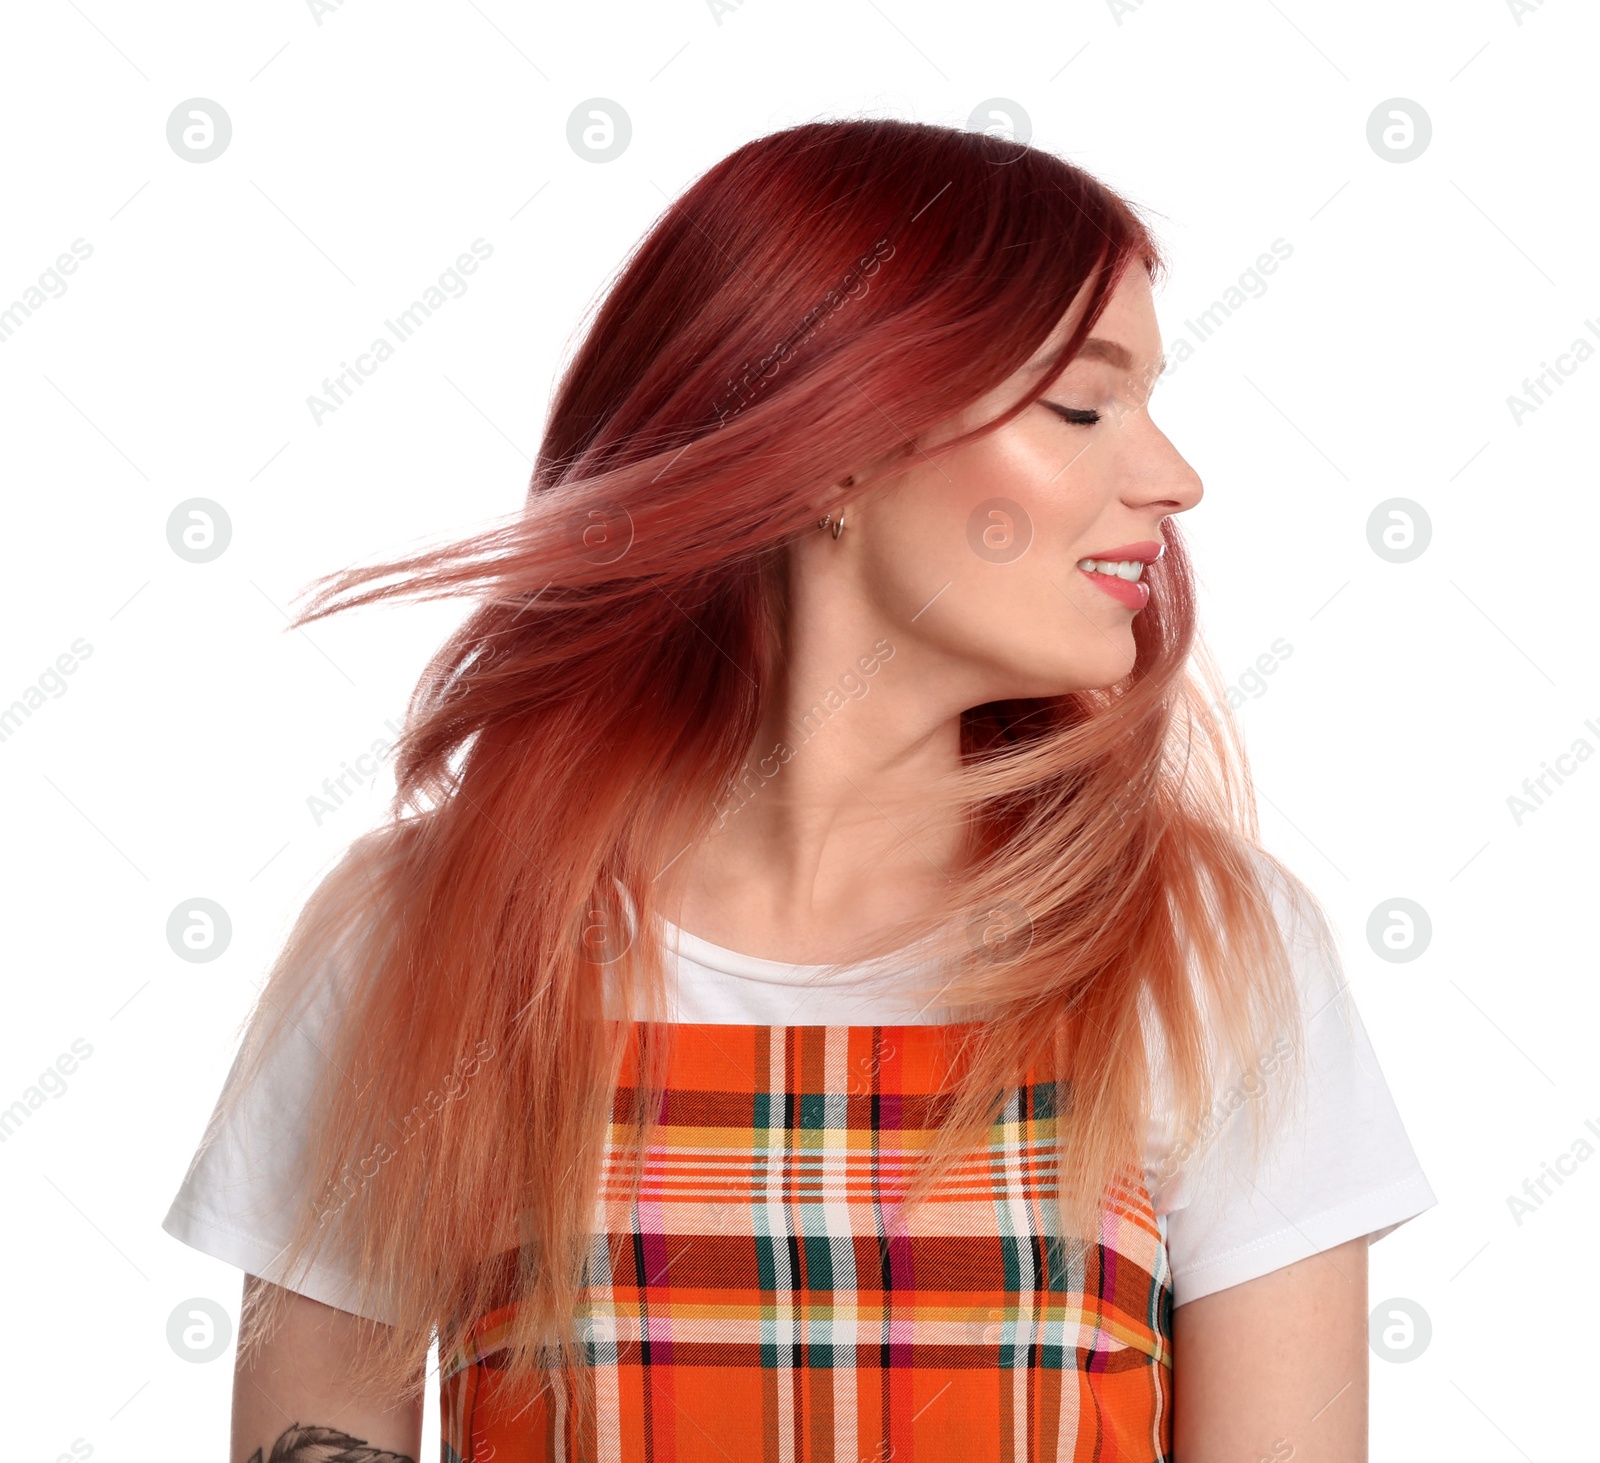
1337	1163
237	1198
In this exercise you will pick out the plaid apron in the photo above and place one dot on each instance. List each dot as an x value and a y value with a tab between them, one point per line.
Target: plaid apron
758	1305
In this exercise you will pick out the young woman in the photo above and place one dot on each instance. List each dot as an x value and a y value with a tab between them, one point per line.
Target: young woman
819	996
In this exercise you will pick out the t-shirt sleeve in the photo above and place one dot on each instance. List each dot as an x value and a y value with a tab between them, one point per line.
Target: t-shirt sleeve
1337	1166
237	1200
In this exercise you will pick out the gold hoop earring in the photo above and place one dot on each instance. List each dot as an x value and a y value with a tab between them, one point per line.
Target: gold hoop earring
829	521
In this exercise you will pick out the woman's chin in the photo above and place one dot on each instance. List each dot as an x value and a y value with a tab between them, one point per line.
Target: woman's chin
1081	671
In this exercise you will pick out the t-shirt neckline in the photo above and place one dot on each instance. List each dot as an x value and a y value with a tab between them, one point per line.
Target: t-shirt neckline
782	972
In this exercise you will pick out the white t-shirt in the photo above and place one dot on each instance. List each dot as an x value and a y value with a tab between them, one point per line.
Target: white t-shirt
1337	1168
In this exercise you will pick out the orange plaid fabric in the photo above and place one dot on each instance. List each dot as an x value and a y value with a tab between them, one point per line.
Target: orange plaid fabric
759	1304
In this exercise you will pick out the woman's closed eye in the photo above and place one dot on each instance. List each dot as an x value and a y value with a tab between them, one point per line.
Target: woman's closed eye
1078	415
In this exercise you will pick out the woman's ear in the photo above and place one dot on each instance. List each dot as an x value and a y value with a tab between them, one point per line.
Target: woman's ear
829	501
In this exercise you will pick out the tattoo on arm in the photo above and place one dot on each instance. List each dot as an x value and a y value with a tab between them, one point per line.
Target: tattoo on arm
325	1445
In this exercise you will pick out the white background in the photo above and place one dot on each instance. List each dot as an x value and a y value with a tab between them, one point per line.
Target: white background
370	149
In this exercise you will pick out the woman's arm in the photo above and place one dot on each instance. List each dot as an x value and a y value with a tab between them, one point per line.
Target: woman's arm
1275	1368
291	1402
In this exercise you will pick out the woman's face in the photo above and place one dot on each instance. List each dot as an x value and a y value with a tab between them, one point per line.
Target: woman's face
977	559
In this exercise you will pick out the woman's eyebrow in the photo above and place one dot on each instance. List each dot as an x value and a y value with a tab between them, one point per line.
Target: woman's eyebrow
1096	348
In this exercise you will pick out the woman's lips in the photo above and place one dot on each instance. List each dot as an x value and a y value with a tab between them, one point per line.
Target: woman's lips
1134	593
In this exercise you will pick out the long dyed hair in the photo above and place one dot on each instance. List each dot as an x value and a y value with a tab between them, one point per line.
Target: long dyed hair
823	297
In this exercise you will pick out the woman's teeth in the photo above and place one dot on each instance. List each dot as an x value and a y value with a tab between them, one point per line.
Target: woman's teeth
1122	569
